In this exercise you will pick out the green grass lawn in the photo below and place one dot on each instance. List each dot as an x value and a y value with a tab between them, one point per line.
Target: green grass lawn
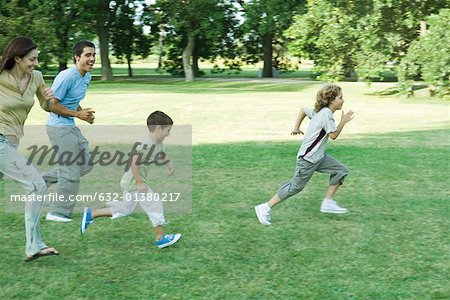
394	243
237	111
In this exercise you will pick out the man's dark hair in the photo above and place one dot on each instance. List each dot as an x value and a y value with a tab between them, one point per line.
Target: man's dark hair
78	48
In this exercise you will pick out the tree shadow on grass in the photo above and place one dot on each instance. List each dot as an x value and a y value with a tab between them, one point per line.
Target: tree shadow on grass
398	90
200	87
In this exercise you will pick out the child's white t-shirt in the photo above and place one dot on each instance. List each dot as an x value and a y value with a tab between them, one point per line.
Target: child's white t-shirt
316	136
149	151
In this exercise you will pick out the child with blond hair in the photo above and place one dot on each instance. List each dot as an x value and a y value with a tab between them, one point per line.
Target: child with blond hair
311	156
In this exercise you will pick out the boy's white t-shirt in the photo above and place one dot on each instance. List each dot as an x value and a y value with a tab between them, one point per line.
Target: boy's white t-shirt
149	150
316	136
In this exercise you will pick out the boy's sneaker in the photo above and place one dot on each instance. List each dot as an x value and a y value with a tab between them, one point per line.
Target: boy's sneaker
263	213
56	218
330	206
86	219
168	240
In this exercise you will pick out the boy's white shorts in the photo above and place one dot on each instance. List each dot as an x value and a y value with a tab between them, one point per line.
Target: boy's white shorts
153	208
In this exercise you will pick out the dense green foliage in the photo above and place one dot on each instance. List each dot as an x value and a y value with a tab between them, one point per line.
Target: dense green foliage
128	38
429	56
358	38
17	18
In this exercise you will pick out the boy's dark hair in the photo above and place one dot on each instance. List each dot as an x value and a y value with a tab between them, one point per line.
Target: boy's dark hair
158	118
78	48
19	46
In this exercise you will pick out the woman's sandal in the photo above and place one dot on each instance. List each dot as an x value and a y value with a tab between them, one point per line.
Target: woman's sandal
47	251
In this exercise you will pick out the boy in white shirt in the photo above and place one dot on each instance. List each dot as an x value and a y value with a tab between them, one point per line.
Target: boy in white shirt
135	183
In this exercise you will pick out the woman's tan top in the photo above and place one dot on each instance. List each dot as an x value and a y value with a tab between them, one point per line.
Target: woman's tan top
15	105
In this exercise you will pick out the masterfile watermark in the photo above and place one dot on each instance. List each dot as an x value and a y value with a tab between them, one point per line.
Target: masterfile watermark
97	196
105	160
44	153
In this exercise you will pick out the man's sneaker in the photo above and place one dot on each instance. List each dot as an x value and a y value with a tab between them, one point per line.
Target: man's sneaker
330	206
168	240
52	217
263	213
86	219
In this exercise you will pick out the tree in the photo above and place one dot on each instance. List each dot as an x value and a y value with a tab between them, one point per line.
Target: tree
194	29
18	19
388	30
324	34
127	37
66	21
55	23
347	36
102	15
265	22
428	56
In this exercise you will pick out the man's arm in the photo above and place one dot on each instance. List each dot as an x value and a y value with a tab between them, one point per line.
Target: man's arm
345	118
86	114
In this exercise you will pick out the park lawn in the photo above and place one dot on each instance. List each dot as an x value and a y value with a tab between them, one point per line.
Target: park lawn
392	245
261	109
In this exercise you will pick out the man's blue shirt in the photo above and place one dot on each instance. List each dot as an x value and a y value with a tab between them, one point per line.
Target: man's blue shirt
69	88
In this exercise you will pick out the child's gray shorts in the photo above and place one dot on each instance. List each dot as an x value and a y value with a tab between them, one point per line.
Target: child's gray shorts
304	171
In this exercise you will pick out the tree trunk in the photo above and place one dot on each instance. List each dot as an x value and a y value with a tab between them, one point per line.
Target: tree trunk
162	34
348	67
62	34
62	49
195	67
423	28
103	36
130	71
187	54
62	66
102	23
268	55
62	58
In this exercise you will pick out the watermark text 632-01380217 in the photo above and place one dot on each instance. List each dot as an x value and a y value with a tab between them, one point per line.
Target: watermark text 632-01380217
98	196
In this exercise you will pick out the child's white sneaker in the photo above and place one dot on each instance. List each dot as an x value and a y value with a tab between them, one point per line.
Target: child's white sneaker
56	218
330	206
263	213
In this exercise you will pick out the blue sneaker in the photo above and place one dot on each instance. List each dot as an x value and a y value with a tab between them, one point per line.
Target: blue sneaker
168	240
86	219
